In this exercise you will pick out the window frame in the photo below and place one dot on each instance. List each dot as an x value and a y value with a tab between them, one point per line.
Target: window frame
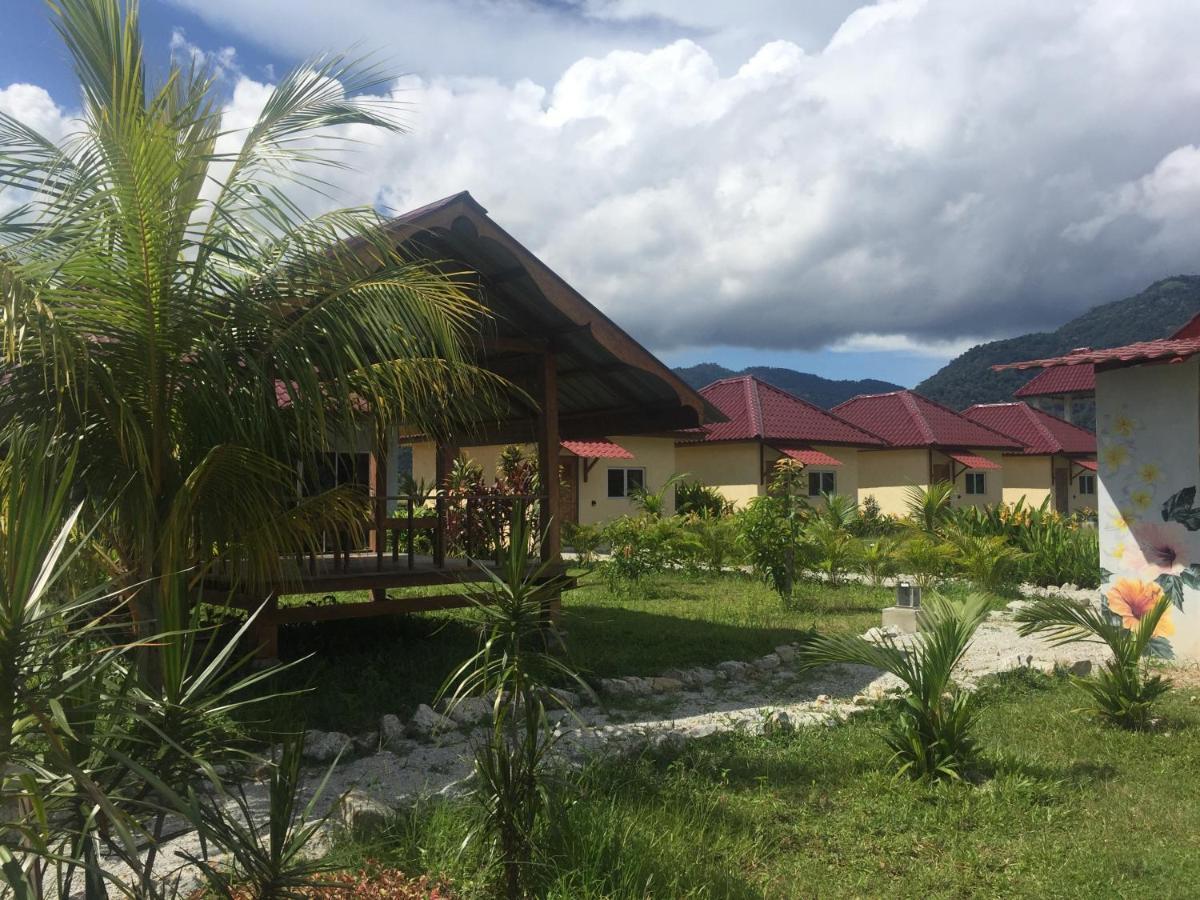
975	479
624	470
1087	479
822	475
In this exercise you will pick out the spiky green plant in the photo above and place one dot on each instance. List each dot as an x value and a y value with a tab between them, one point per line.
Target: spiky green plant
931	736
879	560
168	305
654	503
834	549
516	668
930	509
989	561
1123	692
926	558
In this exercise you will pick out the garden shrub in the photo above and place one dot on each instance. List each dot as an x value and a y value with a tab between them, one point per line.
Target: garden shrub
695	499
644	544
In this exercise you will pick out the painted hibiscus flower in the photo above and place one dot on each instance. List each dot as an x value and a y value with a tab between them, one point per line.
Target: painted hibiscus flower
1132	600
1158	548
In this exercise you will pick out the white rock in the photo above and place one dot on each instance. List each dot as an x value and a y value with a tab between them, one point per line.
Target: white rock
786	653
367	742
668	743
360	813
561	698
733	668
392	734
1081	668
666	685
324	746
471	711
426	722
767	663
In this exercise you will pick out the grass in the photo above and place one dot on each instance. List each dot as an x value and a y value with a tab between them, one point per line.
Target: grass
363	668
1065	808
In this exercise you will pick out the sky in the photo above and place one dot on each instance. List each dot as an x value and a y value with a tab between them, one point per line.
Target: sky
852	189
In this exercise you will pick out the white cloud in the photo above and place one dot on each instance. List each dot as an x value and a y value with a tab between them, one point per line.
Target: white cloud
937	173
220	63
902	343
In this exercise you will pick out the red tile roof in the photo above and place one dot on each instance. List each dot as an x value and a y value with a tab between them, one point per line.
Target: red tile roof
1037	431
1171	350
757	410
811	457
906	419
1089	464
1060	380
597	449
971	461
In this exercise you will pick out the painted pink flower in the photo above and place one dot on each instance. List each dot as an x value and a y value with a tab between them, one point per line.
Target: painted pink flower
1159	548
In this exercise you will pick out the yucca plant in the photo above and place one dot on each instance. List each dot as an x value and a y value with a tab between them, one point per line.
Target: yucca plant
270	858
931	737
1123	692
516	668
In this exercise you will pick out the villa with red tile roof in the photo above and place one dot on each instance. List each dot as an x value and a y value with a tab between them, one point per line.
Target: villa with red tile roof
766	424
925	443
1057	462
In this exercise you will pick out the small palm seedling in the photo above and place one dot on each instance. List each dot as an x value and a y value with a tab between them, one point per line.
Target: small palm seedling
834	549
1122	693
929	509
515	669
879	560
931	736
926	558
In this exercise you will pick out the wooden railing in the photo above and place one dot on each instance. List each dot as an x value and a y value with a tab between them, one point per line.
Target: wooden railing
475	524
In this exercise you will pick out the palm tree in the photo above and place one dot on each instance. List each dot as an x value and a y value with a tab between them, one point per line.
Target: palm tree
929	509
169	307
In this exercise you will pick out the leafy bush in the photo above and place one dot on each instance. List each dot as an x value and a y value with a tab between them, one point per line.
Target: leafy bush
931	736
696	499
642	545
872	522
771	533
585	540
1122	693
930	509
716	543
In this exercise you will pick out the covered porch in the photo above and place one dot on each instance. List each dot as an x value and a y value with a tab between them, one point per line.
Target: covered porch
577	377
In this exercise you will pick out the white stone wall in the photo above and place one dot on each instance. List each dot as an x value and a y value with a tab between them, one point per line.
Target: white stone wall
1148	433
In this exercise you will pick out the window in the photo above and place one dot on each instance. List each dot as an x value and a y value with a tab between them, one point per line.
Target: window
822	483
1087	484
623	482
976	483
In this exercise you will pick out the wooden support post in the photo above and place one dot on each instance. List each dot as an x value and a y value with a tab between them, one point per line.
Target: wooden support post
548	449
379	480
444	455
266	631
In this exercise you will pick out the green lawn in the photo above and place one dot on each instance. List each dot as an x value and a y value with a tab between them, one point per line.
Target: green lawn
360	669
1063	808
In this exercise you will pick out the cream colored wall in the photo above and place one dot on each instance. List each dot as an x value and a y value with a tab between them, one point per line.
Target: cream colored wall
1027	477
887	475
1148	436
994	480
1077	502
733	468
654	454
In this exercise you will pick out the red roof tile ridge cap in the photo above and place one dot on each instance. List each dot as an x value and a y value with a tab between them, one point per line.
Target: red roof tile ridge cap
754	404
819	410
908	399
952	412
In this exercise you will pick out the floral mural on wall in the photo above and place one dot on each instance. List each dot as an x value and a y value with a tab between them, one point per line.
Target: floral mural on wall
1153	534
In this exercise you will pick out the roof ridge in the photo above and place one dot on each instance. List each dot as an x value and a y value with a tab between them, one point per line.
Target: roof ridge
754	404
907	398
820	410
955	412
1040	426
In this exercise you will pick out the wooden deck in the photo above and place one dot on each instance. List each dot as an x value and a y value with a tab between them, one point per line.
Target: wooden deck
367	571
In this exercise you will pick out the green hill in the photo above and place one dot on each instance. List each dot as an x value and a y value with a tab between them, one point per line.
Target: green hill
824	392
1154	313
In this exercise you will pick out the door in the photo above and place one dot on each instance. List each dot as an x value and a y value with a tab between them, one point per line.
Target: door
568	490
1062	487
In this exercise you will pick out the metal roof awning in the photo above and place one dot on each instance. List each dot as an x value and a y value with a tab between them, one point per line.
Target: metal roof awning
810	457
596	449
971	461
1089	464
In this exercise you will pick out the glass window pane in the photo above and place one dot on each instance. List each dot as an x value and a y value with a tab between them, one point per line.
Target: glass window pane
616	482
814	483
635	479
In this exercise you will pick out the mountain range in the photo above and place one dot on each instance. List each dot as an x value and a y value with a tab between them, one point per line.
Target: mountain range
1156	312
